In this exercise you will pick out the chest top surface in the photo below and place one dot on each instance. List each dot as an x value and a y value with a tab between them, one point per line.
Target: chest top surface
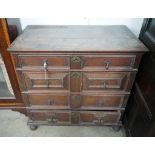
77	38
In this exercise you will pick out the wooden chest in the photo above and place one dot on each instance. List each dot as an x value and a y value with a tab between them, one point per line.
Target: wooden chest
76	75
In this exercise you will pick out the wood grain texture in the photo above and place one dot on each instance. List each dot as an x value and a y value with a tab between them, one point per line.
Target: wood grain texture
4	44
77	38
64	117
76	75
4	37
83	101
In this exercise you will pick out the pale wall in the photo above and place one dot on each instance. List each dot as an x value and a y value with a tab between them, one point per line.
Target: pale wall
134	24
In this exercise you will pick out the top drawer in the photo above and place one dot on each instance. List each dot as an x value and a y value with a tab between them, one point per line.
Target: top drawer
39	61
85	62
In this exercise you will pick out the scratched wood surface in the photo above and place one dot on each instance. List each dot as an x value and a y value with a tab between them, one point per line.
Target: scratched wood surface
77	38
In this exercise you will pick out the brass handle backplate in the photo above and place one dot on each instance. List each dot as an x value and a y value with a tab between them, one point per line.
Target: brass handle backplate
107	64
75	59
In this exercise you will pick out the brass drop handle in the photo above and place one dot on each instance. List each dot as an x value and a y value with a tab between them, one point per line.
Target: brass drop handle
104	84
47	82
45	65
99	120
51	102
107	64
54	120
75	74
45	69
102	121
75	59
51	120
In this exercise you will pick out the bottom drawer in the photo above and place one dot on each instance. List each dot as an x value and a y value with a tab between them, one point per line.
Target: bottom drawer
64	117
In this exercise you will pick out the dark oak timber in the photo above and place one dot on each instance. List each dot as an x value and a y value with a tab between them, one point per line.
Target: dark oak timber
76	75
77	38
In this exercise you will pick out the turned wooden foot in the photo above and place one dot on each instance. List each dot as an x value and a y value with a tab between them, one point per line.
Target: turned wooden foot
33	127
116	128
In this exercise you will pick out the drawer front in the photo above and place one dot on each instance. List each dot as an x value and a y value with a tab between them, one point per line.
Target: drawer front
76	81
98	81
98	102
104	62
83	102
54	101
99	118
108	81
109	62
38	61
50	117
58	117
44	80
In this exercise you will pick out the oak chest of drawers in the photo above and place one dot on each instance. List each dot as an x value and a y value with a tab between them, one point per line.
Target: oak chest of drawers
76	75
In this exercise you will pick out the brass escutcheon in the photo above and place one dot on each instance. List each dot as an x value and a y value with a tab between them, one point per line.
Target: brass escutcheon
75	74
75	59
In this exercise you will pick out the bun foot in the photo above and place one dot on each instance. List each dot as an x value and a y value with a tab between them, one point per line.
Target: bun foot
33	127
116	128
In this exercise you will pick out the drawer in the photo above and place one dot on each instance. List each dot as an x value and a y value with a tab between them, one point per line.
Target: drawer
43	81
99	101
32	61
48	100
104	62
58	117
99	118
50	117
79	102
107	81
101	81
76	81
